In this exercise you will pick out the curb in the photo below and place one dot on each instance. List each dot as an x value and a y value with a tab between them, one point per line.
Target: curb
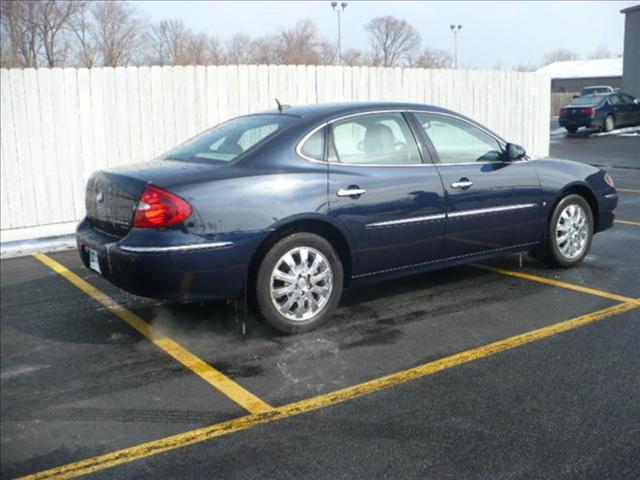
21	248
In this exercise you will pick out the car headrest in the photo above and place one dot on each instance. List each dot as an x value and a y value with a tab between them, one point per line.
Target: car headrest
378	139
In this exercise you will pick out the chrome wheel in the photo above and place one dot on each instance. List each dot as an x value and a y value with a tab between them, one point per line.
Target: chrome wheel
572	231
301	283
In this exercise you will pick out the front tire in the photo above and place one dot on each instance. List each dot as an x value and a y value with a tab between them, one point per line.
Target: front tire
570	232
572	130
299	283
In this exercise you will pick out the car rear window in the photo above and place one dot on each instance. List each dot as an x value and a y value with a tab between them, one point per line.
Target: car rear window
588	100
229	140
591	91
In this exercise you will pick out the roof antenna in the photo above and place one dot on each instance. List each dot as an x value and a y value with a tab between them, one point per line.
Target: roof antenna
281	107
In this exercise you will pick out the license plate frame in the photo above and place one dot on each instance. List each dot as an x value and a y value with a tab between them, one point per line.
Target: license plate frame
94	261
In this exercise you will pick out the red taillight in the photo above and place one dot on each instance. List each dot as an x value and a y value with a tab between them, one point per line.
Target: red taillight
159	208
563	112
589	111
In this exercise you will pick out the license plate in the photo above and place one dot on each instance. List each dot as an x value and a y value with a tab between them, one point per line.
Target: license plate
94	264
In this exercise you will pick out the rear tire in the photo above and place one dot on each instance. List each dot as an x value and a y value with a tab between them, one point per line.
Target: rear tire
299	283
570	232
572	129
609	123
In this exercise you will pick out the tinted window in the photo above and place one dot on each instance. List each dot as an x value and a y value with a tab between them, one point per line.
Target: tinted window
591	91
229	140
383	139
615	100
314	145
628	99
588	100
456	141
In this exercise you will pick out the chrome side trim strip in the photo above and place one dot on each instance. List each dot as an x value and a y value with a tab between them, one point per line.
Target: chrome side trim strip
483	211
463	213
426	218
176	248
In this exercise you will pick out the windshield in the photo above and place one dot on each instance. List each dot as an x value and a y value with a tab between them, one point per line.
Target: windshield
229	140
588	100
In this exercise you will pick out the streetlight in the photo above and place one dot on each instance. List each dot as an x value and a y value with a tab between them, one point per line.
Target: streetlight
455	29
339	8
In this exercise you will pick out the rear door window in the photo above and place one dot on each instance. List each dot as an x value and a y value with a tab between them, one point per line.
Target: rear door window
377	139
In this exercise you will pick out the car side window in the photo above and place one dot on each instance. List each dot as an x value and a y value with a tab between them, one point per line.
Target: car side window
628	99
382	139
313	147
457	141
615	100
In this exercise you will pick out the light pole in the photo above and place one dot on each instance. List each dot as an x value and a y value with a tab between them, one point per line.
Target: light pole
455	29
338	9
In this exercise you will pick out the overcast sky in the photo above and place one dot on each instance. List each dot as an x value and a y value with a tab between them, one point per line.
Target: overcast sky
500	32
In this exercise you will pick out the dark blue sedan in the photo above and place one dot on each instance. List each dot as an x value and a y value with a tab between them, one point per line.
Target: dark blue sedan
291	206
603	111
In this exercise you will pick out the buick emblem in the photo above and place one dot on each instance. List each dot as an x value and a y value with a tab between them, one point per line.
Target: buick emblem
99	197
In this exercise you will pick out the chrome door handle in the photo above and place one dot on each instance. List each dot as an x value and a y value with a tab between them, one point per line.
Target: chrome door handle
462	184
350	192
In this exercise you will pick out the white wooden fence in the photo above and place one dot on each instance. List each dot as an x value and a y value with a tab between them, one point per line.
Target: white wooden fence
59	125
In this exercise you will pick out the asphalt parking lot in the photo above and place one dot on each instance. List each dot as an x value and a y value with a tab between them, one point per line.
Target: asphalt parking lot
476	372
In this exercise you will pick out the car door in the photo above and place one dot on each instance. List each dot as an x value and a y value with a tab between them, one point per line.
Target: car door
632	109
379	187
619	109
491	204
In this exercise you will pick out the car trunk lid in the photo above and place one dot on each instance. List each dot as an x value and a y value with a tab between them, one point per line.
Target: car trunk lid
112	196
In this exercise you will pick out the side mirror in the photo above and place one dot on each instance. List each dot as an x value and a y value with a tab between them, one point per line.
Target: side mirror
576	96
514	152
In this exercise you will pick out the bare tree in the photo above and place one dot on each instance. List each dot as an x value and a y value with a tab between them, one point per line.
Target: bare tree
601	51
301	44
354	57
118	31
239	50
559	55
202	49
392	40
525	67
86	49
166	43
264	50
54	19
432	58
19	35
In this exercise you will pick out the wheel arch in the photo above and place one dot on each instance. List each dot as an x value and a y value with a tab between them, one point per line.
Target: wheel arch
335	234
585	192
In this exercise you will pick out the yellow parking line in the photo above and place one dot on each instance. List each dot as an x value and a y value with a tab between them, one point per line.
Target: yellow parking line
558	283
155	447
194	363
628	222
628	190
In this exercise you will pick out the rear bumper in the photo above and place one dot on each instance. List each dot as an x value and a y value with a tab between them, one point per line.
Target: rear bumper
580	121
185	267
